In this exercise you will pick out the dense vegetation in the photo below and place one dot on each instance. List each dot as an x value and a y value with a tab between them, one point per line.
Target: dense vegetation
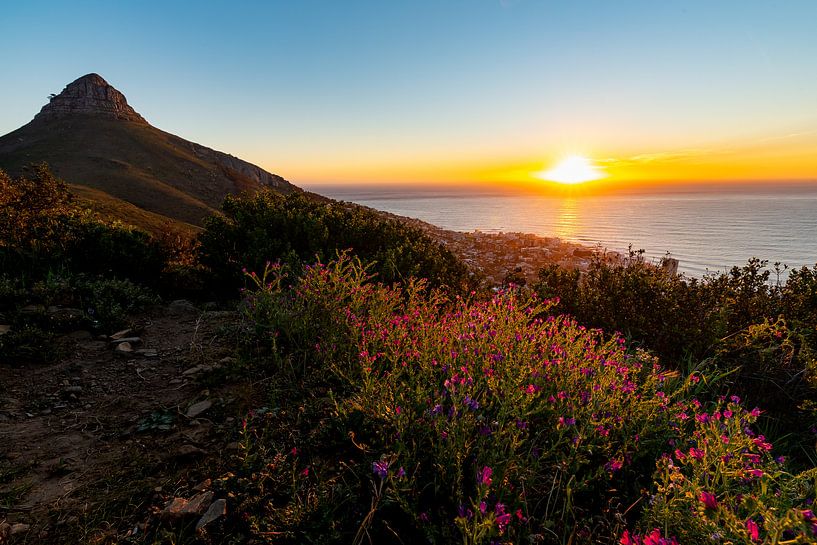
477	421
615	405
297	228
756	331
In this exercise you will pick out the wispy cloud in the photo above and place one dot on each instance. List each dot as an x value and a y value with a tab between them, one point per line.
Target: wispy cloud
686	154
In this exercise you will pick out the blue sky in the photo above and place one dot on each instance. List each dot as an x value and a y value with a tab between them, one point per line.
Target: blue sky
346	90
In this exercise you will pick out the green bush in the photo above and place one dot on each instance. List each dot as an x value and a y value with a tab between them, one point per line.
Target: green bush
269	227
43	229
759	334
494	421
28	344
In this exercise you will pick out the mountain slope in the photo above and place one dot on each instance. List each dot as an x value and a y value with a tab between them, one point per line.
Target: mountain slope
91	137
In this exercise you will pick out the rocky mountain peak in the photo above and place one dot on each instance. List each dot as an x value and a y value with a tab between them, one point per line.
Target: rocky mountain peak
90	94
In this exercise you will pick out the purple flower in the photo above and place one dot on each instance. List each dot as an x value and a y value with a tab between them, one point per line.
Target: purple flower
465	512
484	476
381	468
471	403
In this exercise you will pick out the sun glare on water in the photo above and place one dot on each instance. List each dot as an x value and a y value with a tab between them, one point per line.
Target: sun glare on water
574	169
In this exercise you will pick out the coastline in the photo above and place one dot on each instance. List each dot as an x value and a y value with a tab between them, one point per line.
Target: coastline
496	255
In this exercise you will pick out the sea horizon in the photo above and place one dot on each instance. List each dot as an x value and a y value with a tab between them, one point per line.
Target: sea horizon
709	228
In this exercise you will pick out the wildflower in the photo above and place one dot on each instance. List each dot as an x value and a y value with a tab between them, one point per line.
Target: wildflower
696	453
709	500
484	476
465	512
502	521
483	507
381	468
752	529
305	472
401	473
613	465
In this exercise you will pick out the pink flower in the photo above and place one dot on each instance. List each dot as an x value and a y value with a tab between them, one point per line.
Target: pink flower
484	476
696	453
709	500
752	529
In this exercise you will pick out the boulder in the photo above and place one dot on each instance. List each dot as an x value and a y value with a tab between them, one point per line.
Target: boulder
198	408
178	508
216	510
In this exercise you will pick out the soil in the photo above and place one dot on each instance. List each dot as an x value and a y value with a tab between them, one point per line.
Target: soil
94	443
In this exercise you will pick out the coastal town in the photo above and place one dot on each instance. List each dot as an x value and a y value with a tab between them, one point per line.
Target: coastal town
499	256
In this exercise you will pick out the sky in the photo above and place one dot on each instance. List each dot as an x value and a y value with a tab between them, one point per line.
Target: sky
445	91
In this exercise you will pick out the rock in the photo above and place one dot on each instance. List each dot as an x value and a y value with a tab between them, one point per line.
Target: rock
133	341
123	349
179	507
216	510
204	485
5	531
32	309
187	451
198	408
181	307
80	335
89	94
72	390
227	360
121	334
147	353
4	329
19	528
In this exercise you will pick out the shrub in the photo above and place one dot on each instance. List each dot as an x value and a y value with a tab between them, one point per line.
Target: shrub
28	344
723	485
495	421
267	226
483	420
663	312
43	229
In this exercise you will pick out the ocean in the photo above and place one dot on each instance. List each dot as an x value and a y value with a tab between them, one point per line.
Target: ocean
707	228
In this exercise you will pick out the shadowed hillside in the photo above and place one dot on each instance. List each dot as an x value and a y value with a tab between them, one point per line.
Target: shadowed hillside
91	137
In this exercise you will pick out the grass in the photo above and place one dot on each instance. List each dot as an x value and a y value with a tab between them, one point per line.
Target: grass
130	162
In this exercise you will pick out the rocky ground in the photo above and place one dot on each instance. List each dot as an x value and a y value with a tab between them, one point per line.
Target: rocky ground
125	429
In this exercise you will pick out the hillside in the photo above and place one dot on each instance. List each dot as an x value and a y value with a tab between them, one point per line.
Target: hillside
92	138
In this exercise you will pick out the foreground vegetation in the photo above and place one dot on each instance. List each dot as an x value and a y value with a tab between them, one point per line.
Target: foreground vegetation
404	403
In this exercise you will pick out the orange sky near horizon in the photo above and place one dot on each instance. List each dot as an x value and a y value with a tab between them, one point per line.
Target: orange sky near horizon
788	157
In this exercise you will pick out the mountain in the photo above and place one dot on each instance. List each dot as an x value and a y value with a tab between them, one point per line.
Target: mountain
94	140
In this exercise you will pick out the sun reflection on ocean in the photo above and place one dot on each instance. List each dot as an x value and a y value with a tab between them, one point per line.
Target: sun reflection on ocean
567	219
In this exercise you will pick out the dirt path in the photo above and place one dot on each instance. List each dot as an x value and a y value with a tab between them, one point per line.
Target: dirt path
88	436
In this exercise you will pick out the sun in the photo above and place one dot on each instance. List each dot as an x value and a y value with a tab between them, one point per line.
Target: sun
573	169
